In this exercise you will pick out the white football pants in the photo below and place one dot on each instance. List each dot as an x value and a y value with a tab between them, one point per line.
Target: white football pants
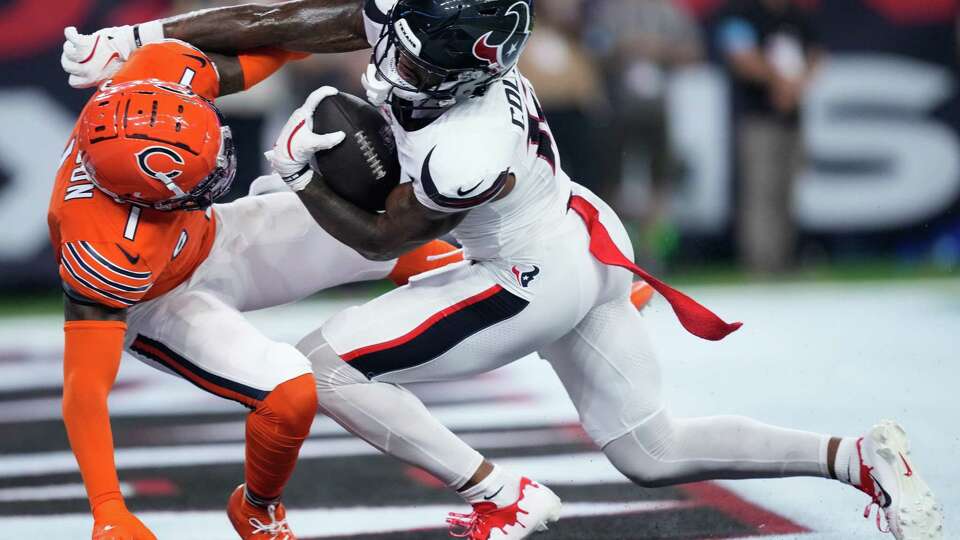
268	251
558	301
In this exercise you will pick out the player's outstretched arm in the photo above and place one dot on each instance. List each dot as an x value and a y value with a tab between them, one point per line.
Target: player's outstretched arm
316	26
93	343
308	26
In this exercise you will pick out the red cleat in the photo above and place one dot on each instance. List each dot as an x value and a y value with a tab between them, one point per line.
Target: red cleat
533	510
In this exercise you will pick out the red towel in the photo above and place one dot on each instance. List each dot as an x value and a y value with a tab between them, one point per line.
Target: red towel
697	319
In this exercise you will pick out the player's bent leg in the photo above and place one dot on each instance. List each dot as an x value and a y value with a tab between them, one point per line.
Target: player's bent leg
664	451
397	423
446	325
276	430
611	372
269	251
195	334
387	416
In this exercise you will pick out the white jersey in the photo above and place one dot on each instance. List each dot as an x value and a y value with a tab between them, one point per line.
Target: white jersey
463	159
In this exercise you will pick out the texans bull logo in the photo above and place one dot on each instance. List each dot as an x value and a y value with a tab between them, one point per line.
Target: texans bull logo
526	275
501	55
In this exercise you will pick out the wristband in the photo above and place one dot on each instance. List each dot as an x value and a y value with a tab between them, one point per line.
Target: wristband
148	32
299	180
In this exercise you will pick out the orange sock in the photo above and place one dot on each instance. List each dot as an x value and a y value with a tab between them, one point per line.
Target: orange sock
276	430
436	254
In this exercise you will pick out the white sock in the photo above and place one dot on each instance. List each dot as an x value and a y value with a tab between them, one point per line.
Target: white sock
500	487
847	464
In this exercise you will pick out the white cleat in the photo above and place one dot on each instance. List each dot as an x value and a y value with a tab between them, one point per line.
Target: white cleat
888	476
532	512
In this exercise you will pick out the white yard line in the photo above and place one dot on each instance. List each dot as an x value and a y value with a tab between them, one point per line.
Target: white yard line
308	523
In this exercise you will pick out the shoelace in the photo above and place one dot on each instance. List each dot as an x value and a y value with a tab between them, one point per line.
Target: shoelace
276	528
869	508
464	525
869	485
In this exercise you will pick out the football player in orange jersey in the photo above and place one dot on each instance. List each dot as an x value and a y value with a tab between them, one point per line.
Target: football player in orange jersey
150	265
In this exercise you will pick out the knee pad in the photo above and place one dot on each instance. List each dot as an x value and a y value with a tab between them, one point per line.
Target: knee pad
329	370
292	405
641	454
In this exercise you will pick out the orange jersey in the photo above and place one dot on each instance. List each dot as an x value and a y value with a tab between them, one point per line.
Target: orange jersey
117	254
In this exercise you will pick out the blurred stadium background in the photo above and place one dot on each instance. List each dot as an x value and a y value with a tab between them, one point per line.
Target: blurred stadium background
823	210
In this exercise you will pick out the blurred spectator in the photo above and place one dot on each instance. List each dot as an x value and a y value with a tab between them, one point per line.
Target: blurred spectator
641	43
772	51
568	85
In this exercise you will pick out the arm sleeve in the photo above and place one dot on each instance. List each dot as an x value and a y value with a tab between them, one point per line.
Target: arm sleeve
91	359
104	274
259	64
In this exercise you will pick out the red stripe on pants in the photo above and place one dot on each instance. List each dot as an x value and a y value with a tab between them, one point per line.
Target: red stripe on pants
409	336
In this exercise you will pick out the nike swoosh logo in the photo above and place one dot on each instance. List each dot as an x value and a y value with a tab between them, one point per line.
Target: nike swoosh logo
886	496
907	465
133	260
202	60
494	495
113	57
463	193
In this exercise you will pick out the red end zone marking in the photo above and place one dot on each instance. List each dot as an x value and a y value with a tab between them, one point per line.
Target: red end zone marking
732	505
423	478
153	487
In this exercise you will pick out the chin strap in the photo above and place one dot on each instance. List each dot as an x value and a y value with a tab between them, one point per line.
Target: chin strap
378	90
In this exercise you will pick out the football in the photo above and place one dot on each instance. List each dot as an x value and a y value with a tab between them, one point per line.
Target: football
364	168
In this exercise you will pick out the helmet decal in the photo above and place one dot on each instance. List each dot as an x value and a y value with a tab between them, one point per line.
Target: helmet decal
500	55
409	39
143	159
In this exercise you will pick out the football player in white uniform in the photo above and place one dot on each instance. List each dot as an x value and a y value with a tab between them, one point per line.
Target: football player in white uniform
548	269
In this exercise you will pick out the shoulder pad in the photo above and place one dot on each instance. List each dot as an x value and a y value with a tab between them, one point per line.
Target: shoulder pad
464	173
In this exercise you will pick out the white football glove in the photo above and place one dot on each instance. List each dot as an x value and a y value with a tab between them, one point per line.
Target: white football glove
90	59
298	143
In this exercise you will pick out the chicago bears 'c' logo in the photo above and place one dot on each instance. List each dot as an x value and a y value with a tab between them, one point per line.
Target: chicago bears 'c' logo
501	55
158	160
526	277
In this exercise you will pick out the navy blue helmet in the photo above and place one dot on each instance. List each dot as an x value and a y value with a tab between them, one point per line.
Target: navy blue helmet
447	50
